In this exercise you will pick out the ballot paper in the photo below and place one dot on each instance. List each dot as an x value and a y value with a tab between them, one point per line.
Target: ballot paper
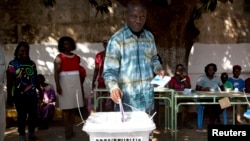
160	81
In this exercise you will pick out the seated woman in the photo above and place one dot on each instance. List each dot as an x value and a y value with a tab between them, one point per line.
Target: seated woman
211	82
179	82
46	107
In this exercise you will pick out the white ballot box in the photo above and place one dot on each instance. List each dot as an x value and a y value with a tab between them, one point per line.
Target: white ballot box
108	126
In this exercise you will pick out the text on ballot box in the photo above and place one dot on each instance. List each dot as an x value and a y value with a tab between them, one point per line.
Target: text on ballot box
233	132
108	126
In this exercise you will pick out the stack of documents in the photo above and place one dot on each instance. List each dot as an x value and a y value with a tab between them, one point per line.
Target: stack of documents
160	81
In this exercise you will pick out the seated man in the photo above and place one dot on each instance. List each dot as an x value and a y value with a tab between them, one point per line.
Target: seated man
227	84
238	85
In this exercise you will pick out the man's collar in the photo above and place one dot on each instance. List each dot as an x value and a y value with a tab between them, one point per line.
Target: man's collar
129	33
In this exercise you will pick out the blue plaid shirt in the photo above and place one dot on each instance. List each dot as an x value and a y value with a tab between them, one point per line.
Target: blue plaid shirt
130	64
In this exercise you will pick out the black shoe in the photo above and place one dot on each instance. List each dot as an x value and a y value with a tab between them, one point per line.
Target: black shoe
188	126
70	136
218	121
43	128
33	138
179	127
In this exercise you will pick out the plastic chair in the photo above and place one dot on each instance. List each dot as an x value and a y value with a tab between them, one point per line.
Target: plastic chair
200	112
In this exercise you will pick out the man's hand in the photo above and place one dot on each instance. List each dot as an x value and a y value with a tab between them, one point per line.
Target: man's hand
116	94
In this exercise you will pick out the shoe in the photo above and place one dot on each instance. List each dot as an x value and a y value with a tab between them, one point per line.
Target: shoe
32	137
43	127
218	121
70	136
179	127
247	114
188	126
73	134
211	122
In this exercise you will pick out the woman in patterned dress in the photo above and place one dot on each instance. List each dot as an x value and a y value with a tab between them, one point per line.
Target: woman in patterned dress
21	89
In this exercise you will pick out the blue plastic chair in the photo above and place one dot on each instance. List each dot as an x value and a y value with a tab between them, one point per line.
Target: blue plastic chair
200	112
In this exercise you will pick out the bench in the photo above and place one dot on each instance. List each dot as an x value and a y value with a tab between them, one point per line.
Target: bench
11	113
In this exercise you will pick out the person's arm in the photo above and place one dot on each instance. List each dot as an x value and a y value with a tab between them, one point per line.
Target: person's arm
10	82
96	70
186	81
52	94
199	85
83	74
57	70
111	69
222	88
82	80
157	67
171	83
40	93
36	84
220	85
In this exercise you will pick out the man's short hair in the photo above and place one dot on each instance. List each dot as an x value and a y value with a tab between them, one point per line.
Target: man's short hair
133	3
236	67
105	38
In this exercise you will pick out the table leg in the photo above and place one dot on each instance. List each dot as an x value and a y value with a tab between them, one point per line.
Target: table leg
173	114
95	101
234	114
166	116
175	110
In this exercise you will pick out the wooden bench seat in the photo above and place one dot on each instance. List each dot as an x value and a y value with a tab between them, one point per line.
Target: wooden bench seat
11	113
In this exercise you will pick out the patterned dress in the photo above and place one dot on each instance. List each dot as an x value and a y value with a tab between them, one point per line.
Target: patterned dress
24	93
25	74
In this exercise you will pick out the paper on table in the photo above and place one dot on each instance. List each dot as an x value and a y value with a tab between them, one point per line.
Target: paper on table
160	81
224	103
